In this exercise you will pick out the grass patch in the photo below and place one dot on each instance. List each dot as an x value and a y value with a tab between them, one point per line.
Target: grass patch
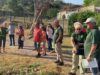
29	69
49	73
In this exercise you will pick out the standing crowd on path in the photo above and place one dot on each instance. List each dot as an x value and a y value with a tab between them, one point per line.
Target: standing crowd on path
85	42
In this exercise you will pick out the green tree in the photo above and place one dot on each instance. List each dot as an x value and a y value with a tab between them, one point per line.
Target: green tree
92	2
52	12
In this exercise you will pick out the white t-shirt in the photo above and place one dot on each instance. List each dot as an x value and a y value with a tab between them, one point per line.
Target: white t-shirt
11	29
49	33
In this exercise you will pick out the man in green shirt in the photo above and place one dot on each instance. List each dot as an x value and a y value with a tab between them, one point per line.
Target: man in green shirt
57	39
92	43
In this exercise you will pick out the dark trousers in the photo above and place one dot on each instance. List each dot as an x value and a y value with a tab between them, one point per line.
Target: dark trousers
50	44
20	42
99	64
12	40
3	42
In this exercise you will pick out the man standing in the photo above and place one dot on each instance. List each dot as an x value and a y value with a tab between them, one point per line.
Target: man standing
92	44
57	39
77	40
11	31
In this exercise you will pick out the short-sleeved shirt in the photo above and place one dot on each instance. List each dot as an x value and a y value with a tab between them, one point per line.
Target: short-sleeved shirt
93	37
21	32
58	32
11	29
37	34
43	36
49	32
79	38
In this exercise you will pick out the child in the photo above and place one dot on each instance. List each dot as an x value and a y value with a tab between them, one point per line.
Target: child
43	40
37	38
20	33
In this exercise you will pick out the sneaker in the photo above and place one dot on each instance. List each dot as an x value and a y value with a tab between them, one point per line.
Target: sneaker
38	55
57	61
61	63
70	73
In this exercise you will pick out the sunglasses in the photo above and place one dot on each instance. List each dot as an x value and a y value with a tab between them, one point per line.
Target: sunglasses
78	29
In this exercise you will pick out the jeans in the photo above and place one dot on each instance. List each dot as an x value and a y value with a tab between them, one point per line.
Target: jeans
94	71
12	40
50	44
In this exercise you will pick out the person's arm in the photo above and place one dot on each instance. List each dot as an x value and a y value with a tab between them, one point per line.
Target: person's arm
73	45
92	51
72	42
93	48
94	45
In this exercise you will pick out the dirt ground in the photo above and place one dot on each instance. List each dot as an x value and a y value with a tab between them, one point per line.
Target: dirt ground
27	56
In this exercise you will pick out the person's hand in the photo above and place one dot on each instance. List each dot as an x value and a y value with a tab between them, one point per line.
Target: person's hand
80	44
89	58
74	50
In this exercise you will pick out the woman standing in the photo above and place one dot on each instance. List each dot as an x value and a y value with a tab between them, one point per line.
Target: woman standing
3	32
50	32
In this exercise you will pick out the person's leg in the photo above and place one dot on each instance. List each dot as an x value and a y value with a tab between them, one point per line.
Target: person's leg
57	58
82	70
38	49
35	45
19	42
44	48
0	44
10	37
94	71
4	43
98	66
75	62
13	40
59	54
51	44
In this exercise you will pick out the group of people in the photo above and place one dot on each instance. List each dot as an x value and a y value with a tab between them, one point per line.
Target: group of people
86	45
51	33
10	30
85	42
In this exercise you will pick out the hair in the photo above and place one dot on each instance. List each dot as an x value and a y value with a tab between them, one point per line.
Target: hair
43	28
20	27
77	24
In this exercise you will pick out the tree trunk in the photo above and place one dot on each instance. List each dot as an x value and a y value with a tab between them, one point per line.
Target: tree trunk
40	8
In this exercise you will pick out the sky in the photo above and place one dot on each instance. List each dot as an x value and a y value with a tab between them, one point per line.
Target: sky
79	2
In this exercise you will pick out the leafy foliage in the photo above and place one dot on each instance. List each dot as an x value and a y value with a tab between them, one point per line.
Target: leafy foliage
52	12
92	2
